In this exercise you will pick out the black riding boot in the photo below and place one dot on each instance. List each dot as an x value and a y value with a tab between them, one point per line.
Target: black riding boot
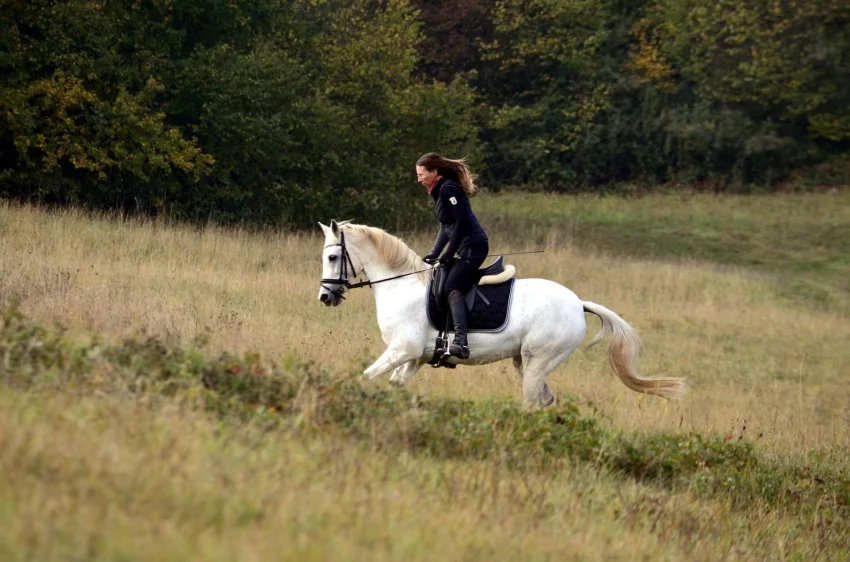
459	347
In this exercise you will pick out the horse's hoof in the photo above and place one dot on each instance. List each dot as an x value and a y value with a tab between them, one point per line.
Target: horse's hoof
548	397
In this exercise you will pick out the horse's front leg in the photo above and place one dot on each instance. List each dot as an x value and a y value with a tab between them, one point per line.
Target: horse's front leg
393	357
402	375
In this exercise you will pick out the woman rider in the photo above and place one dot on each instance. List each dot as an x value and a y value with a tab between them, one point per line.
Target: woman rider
450	184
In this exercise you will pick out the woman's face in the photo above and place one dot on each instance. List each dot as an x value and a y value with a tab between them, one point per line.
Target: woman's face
426	177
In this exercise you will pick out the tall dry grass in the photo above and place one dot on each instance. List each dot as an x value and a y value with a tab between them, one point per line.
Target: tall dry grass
758	368
95	477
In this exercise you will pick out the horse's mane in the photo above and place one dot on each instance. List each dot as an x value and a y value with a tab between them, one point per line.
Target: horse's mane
391	249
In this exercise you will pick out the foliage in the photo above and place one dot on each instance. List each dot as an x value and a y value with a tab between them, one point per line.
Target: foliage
760	84
271	111
289	111
728	94
454	33
545	88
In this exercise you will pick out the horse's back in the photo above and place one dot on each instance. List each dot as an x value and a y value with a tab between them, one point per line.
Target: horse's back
545	292
548	309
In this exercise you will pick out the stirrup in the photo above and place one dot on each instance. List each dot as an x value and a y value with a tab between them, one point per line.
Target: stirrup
439	359
459	351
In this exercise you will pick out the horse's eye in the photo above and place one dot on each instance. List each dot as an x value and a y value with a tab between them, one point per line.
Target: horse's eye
331	258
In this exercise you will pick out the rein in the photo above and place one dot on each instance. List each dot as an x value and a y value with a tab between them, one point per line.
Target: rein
343	282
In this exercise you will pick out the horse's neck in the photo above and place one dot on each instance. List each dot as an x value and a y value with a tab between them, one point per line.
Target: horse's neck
376	268
373	268
391	296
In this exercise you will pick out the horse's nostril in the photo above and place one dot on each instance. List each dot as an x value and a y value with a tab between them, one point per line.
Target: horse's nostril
324	297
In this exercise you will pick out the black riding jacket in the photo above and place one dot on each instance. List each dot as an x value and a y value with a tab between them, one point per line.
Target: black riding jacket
458	225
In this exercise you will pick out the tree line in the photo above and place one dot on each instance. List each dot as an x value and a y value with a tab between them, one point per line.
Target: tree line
283	112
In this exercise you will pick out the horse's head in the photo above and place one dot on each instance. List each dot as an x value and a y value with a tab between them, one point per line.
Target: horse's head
337	266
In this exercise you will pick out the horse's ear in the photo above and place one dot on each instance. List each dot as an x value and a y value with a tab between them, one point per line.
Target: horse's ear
325	229
335	228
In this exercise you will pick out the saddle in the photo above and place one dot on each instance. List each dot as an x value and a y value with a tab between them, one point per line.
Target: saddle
487	302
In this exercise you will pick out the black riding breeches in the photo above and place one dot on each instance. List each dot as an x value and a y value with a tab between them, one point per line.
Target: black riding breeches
465	269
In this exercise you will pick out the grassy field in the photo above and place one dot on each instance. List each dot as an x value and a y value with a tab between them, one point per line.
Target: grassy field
101	459
800	243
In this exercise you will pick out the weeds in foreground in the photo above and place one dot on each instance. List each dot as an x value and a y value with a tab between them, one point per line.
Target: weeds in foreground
291	395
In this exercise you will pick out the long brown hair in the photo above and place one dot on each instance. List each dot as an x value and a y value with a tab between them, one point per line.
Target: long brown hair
452	169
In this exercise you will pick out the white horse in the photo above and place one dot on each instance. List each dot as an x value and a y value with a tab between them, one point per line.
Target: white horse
545	325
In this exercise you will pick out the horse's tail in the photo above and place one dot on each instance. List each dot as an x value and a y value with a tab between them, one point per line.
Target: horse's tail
623	352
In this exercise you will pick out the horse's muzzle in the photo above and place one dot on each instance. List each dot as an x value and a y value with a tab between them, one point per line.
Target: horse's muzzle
330	299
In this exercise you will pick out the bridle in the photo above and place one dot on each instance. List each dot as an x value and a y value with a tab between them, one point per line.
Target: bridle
342	283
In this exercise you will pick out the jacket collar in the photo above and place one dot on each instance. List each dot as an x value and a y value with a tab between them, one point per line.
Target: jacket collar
435	189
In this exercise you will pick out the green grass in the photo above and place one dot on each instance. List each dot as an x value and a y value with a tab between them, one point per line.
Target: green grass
801	243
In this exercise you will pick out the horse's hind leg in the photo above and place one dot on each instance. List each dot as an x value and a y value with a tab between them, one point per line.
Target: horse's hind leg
546	396
535	392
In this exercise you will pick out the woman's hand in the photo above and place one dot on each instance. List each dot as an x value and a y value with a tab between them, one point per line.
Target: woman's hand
430	259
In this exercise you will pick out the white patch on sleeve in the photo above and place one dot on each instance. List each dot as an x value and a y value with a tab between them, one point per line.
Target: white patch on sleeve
453	200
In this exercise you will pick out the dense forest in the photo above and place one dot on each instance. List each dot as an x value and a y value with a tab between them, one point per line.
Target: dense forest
283	112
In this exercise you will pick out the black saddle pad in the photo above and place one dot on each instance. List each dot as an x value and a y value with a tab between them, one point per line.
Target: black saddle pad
489	311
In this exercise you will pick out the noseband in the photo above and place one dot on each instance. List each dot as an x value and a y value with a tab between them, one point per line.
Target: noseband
342	283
